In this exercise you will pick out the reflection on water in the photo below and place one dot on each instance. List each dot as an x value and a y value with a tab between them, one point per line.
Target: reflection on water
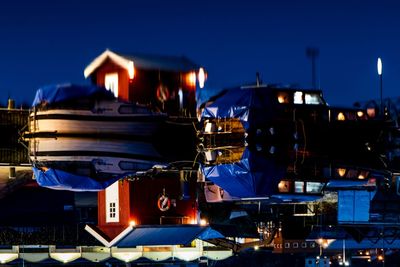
254	175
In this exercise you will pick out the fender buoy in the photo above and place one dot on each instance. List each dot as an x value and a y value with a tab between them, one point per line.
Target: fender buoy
163	203
162	93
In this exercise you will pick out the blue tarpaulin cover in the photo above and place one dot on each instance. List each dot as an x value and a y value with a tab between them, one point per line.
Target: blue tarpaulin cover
167	235
250	105
64	92
61	180
253	176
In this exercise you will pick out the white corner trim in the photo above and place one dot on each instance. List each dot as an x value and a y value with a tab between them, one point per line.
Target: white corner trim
119	60
102	240
97	236
121	235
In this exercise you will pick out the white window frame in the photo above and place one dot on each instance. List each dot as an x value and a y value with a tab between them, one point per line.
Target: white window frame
112	203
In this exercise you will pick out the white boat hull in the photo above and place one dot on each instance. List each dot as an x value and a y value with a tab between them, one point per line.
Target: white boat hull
106	119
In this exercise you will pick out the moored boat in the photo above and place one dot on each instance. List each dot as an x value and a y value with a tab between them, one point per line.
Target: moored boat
89	110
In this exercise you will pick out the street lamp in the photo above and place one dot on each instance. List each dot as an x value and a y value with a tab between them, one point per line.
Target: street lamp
379	68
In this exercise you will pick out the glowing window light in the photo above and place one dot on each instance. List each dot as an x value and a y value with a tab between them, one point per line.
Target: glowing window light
298	97
131	70
341	172
201	77
341	116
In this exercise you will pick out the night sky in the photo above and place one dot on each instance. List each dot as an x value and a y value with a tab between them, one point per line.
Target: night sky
46	42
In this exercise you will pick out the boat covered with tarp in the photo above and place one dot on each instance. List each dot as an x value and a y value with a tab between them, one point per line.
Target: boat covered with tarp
62	180
257	176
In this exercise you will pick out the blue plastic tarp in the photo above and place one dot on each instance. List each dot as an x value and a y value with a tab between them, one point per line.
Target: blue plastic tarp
52	94
253	176
61	180
250	105
167	235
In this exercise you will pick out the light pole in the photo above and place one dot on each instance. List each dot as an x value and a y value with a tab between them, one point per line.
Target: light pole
379	68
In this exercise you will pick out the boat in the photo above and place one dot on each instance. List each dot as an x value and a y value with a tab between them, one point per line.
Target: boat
89	110
255	176
95	157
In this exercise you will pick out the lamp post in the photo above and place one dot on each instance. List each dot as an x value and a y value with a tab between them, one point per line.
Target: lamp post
379	68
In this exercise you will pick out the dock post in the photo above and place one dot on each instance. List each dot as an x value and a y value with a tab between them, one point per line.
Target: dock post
12	173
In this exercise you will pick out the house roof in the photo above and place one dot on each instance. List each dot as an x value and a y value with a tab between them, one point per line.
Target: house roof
142	61
157	235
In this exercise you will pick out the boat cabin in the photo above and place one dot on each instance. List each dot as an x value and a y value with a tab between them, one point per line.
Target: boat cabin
165	83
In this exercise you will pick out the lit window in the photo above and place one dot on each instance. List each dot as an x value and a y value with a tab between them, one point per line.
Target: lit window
298	97
284	187
283	98
298	187
313	99
314	187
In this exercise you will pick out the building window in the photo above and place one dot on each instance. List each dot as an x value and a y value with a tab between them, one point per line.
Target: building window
111	82
112	210
112	203
299	187
298	97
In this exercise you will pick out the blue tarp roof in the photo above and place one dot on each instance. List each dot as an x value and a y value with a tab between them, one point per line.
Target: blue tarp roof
64	92
253	176
250	105
167	235
61	180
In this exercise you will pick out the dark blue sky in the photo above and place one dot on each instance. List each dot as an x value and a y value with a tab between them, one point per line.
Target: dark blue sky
44	42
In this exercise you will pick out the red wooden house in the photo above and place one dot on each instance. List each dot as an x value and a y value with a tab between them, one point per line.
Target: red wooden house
164	82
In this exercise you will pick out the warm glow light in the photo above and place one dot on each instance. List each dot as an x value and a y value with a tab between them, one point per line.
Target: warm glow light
371	112
7	257
341	171
360	114
132	223
65	257
341	116
191	79
201	77
131	70
379	66
193	221
203	222
256	247
380	257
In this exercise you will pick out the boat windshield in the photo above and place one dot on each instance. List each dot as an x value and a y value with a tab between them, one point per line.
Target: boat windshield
300	97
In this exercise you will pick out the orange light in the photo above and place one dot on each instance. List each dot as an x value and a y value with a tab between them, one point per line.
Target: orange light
371	112
203	222
191	79
193	221
132	223
341	171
